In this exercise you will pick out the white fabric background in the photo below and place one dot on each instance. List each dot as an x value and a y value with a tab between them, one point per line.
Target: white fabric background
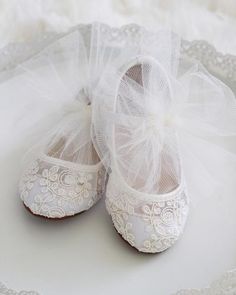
212	20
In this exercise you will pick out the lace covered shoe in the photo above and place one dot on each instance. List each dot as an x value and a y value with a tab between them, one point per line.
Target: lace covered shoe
150	223
54	188
146	195
63	174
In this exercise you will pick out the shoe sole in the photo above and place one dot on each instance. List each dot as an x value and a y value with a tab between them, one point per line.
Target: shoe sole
51	218
130	246
137	250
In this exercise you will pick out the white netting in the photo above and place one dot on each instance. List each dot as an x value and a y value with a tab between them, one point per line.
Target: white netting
150	110
55	113
58	77
153	114
55	88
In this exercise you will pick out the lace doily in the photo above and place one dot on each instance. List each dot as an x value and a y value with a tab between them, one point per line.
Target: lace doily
224	64
5	291
226	285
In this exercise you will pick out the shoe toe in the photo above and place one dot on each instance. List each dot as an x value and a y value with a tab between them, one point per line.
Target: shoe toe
150	226
58	192
147	233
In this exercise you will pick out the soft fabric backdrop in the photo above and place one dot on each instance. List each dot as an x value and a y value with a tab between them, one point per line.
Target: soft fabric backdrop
212	20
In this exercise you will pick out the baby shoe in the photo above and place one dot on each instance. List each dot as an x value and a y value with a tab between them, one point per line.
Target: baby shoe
63	174
159	123
57	188
146	195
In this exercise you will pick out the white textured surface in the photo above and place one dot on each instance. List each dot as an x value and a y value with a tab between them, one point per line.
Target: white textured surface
212	20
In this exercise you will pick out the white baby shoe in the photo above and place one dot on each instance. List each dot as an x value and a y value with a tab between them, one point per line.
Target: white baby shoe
146	195
63	174
56	188
149	222
159	123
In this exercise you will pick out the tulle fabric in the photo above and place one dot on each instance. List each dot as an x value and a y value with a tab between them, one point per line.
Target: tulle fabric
50	98
158	118
151	116
58	79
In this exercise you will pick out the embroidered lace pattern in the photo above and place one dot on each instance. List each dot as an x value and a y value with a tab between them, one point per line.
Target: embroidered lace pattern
55	187
163	218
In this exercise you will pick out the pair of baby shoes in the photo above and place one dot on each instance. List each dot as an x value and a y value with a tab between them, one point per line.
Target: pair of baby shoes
120	121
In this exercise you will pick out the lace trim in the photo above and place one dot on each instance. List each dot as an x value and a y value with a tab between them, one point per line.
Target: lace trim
207	54
225	64
226	285
5	291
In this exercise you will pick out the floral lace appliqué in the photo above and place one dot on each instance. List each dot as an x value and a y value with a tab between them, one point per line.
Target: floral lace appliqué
160	222
57	191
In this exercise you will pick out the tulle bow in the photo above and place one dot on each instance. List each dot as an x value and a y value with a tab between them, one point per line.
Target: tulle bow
194	114
166	125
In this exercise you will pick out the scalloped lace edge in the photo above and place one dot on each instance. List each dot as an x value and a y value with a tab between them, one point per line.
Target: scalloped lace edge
15	53
225	285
